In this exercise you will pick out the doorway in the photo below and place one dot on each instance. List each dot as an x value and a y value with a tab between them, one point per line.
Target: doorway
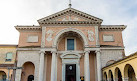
70	72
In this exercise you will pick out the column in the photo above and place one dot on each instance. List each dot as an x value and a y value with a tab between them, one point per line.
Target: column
98	58
53	67
41	66
86	66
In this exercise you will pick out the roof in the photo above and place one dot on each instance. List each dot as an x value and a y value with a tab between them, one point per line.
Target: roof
8	45
70	10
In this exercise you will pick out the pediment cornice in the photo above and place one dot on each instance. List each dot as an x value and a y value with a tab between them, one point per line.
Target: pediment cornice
73	11
69	23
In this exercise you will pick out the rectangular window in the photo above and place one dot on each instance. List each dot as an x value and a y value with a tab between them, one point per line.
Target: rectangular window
70	44
9	57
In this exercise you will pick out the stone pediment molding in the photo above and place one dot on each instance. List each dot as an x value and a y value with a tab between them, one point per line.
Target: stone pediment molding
112	27
70	55
50	18
28	27
70	23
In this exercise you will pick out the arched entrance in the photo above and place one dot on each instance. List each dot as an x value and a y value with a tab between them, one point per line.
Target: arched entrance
3	76
118	75
129	73
78	32
70	68
110	75
105	76
28	72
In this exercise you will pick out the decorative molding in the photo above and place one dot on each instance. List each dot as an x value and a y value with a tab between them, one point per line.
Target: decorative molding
71	58
70	55
28	27
32	38
49	33
67	30
98	51
91	35
70	23
108	38
72	11
112	27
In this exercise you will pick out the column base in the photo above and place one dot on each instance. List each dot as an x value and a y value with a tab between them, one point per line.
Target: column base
125	79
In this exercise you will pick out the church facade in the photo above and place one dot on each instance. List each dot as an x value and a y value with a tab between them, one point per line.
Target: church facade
69	45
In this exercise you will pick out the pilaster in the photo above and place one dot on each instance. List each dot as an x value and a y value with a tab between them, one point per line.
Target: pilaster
43	37
97	36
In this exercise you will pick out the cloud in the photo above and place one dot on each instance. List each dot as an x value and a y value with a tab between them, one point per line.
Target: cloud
27	12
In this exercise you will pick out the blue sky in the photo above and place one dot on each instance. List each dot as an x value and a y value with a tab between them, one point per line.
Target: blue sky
27	12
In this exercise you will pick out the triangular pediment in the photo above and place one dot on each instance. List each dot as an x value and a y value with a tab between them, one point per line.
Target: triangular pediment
70	14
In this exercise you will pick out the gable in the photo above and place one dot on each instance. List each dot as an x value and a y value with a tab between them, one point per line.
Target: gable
70	17
70	14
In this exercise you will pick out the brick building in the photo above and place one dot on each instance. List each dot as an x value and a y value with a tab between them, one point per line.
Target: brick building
67	46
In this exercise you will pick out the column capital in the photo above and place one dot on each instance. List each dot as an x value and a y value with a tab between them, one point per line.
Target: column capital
125	79
42	51
97	51
54	52
87	51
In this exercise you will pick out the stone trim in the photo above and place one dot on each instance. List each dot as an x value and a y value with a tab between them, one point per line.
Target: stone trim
28	28
70	23
70	10
70	58
67	30
112	27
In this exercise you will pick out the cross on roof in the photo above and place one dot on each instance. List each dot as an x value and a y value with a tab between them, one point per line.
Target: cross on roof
70	4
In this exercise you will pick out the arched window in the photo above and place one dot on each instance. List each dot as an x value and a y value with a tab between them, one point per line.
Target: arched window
9	56
30	78
3	76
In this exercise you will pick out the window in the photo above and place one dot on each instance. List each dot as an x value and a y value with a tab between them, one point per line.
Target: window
70	44
8	56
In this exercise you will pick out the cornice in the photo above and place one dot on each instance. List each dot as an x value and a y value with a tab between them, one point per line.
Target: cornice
28	27
73	11
112	27
70	23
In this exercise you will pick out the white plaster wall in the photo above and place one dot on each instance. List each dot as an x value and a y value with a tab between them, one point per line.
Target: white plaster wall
107	55
25	56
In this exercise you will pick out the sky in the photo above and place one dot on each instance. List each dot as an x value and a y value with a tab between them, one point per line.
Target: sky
27	12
